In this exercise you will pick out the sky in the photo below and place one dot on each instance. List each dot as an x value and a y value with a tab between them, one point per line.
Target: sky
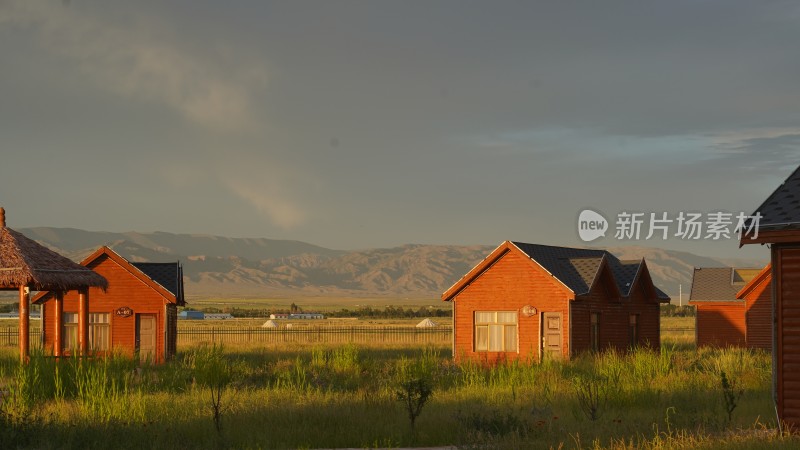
368	124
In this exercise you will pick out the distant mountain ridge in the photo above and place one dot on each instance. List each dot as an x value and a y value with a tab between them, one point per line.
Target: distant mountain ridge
222	266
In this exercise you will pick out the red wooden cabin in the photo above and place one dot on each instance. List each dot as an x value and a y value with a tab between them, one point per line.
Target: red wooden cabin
137	314
779	225
733	307
526	301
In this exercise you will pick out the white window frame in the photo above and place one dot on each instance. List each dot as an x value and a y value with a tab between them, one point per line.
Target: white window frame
498	324
100	322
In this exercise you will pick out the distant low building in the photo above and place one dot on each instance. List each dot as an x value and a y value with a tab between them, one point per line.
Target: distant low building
15	315
191	315
300	316
306	316
218	316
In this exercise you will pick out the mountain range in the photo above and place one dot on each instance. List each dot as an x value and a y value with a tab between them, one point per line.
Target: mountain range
216	266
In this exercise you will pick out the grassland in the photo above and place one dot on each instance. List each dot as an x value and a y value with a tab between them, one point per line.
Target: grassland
346	396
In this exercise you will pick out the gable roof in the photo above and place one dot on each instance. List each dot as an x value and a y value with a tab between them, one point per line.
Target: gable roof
164	278
576	269
764	274
720	284
781	210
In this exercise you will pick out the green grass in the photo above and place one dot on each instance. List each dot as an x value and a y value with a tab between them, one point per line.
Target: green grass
345	396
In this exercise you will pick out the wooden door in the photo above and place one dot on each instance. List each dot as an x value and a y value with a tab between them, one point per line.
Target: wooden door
551	335
146	336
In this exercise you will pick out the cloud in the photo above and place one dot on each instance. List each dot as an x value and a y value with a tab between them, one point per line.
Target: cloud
136	61
269	201
766	151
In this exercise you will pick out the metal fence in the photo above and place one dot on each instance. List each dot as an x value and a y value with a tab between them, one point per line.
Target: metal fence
354	334
10	336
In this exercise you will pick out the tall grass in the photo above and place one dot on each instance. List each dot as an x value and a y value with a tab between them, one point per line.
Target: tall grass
324	396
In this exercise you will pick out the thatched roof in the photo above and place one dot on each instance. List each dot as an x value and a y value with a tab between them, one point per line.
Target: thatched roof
23	262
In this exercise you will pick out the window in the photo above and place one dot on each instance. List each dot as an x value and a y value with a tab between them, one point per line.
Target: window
495	331
594	332
633	327
99	331
69	333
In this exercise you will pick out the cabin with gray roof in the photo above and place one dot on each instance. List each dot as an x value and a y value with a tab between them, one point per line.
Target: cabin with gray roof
529	301
726	317
135	315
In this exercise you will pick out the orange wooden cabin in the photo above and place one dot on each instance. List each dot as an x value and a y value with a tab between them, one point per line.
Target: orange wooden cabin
525	301
734	308
779	225
136	315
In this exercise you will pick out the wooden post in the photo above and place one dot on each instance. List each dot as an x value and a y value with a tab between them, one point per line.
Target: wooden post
58	333
83	321
24	323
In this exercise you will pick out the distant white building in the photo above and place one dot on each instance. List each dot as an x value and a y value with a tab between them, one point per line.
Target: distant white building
302	316
306	316
218	316
15	315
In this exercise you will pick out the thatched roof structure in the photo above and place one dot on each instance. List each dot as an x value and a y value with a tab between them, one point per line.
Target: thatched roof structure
23	262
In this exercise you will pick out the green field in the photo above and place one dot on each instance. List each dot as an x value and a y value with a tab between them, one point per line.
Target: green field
318	396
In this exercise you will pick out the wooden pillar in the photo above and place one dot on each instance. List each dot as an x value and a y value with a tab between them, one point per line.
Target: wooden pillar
24	323
58	333
83	321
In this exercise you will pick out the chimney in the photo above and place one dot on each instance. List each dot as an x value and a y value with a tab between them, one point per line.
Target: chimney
2	217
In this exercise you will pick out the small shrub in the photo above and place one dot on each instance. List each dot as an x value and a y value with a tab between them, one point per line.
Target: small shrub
731	394
592	393
414	393
212	372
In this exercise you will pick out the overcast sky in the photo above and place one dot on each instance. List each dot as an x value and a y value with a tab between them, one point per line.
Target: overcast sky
373	124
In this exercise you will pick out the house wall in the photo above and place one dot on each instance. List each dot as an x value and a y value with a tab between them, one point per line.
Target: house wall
786	275
758	306
614	330
720	324
511	283
124	289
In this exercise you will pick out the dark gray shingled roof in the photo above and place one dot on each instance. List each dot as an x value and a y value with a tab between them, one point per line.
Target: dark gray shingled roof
575	267
578	267
781	210
719	283
165	274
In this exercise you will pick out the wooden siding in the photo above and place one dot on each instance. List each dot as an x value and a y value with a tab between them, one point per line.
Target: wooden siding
786	273
720	324
509	284
759	315
513	281
171	331
615	315
124	290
